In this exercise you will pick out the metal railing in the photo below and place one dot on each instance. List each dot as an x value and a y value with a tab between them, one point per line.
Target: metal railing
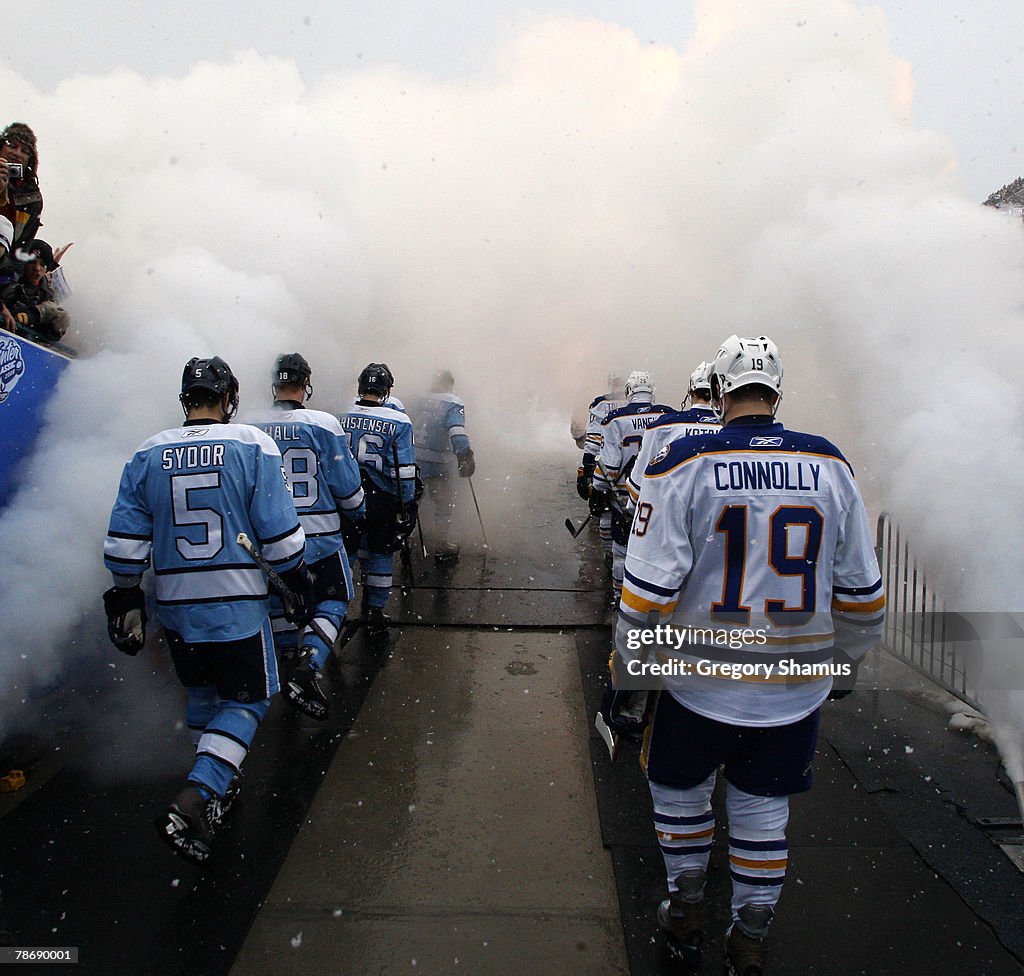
916	621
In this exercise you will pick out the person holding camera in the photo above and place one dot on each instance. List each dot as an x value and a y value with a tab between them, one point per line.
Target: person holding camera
21	201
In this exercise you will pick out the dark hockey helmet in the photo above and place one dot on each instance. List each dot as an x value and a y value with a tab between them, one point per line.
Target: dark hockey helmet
291	369
212	375
376	378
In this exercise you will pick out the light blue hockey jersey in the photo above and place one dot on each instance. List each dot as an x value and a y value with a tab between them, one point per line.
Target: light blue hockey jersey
440	430
377	436
322	474
183	498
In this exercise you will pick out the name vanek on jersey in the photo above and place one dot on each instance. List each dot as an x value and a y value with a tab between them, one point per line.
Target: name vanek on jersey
622	434
322	475
665	428
377	435
440	431
756	529
183	498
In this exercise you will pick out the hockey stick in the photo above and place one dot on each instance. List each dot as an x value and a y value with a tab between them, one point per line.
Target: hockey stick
406	553
283	590
573	531
483	531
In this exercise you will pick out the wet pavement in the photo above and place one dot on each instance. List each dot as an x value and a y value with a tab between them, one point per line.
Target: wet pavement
457	813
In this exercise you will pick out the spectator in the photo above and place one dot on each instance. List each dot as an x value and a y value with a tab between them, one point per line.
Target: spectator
7	273
21	202
31	300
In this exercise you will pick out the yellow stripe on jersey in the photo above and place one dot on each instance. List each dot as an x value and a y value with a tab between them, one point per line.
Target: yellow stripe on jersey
643	605
847	607
747	450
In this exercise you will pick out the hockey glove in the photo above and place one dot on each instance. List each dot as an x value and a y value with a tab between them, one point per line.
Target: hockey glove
299	611
600	501
619	716
466	463
584	479
404	528
126	618
417	493
844	683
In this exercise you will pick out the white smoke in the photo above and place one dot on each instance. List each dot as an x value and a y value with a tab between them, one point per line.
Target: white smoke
595	202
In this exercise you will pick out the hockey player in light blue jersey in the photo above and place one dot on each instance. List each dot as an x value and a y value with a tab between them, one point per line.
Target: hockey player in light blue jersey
752	548
622	432
381	440
184	497
327	490
442	452
695	417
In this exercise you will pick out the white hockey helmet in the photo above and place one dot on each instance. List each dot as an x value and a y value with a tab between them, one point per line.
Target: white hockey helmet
639	381
744	362
700	379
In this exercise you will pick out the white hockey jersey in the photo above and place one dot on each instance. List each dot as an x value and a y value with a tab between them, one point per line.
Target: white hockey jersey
622	433
667	427
600	407
754	547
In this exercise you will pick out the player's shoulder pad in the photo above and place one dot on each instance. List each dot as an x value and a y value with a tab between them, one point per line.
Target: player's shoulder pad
698	415
668	418
629	410
598	399
678	451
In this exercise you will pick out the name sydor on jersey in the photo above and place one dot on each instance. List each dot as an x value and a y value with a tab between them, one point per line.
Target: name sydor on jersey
755	529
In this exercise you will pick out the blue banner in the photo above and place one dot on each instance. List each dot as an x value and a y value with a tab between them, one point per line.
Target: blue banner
28	377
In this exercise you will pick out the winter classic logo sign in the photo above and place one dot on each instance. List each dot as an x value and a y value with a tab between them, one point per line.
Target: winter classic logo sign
11	367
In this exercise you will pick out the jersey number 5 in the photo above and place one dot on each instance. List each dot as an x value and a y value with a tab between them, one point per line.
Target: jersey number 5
733	524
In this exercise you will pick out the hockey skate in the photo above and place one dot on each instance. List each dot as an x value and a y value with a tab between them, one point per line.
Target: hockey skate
187	827
446	554
681	919
746	942
302	689
377	625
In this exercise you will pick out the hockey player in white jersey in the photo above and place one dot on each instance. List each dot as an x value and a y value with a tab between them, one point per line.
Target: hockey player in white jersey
327	491
622	432
381	441
443	454
753	547
593	438
695	417
184	497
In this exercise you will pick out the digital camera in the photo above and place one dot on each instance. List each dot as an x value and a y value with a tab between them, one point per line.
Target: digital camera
15	171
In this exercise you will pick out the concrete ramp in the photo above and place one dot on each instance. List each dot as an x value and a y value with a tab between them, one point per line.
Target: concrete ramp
457	829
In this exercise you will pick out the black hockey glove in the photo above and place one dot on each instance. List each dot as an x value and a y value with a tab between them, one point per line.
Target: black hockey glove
466	463
600	501
126	618
584	479
417	493
404	528
615	705
843	683
303	604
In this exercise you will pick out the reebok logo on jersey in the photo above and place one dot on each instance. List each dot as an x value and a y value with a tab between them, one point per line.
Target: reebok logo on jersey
766	442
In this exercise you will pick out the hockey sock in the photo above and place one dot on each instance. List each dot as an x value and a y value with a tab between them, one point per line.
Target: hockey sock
757	847
618	565
225	743
685	824
378	579
203	703
329	615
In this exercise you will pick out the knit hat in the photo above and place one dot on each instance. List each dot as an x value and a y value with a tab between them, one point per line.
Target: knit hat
19	132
